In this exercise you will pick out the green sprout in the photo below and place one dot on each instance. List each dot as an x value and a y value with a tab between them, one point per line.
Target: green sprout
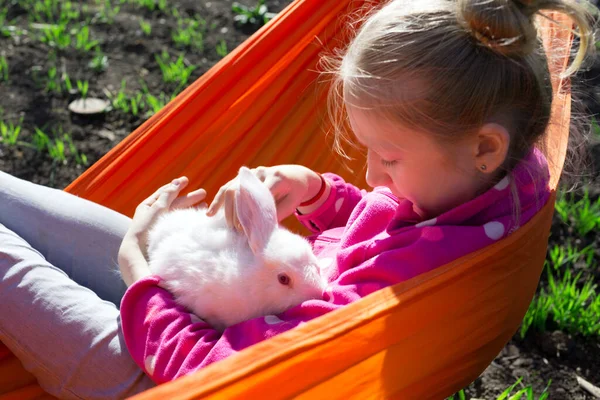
252	16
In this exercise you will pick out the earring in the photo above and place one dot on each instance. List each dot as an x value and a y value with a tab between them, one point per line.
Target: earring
483	167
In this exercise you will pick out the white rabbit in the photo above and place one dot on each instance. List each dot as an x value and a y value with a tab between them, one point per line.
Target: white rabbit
226	277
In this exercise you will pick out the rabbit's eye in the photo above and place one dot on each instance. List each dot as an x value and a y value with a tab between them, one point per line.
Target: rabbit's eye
284	279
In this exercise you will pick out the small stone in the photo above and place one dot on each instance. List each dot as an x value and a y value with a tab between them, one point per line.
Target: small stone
512	351
107	134
89	106
521	372
224	30
208	5
522	362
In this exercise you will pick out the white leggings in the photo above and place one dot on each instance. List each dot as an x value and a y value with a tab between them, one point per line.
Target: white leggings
60	290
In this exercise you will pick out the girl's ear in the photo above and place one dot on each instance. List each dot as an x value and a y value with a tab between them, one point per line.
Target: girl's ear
255	209
493	141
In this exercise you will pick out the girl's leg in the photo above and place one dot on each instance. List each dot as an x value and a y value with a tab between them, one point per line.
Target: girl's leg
64	334
80	237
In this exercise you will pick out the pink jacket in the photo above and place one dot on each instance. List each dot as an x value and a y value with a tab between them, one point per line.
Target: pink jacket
369	240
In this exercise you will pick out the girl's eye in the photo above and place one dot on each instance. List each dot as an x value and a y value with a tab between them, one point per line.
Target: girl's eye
284	279
386	163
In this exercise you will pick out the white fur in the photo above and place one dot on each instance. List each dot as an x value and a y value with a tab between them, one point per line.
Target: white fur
225	277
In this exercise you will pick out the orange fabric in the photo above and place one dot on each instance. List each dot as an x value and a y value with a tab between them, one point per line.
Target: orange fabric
263	104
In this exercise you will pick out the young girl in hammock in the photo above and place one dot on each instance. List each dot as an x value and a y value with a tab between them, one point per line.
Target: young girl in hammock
449	99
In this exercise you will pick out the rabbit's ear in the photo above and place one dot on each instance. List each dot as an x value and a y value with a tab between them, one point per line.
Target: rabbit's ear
255	209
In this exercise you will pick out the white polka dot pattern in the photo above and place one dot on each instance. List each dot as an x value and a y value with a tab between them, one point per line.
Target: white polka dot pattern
494	230
150	364
272	320
503	184
338	204
429	222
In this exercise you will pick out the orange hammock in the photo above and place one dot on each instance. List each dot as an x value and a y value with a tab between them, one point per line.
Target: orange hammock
425	338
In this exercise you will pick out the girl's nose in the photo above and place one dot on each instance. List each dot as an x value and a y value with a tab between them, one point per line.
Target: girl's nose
376	173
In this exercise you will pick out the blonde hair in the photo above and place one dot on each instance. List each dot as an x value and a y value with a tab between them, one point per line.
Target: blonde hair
446	67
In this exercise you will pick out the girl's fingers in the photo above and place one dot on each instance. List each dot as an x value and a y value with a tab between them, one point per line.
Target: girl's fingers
154	196
218	201
189	199
286	206
235	222
277	187
170	192
229	207
284	201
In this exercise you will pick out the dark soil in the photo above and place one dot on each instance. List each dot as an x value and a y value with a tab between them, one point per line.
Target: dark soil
538	358
131	57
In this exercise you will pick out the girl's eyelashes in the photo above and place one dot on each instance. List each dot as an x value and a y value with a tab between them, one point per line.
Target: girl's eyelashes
386	163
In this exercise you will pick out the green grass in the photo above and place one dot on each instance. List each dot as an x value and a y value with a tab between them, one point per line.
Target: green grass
7	28
57	146
9	132
53	82
253	16
3	16
122	102
155	103
50	11
57	36
567	302
152	5
99	62
108	11
176	72
525	393
146	27
190	33
569	254
222	48
3	69
583	214
83	87
139	103
83	42
595	127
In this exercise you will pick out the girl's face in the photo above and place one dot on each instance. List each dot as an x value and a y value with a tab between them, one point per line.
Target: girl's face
433	176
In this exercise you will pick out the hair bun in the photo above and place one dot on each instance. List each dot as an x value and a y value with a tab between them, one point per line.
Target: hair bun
506	26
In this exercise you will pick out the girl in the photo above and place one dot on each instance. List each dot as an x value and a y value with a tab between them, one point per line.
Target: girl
449	98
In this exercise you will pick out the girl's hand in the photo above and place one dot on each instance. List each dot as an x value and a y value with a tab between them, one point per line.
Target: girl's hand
290	185
132	253
163	200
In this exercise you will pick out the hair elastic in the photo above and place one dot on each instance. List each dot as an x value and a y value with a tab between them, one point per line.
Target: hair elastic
317	196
